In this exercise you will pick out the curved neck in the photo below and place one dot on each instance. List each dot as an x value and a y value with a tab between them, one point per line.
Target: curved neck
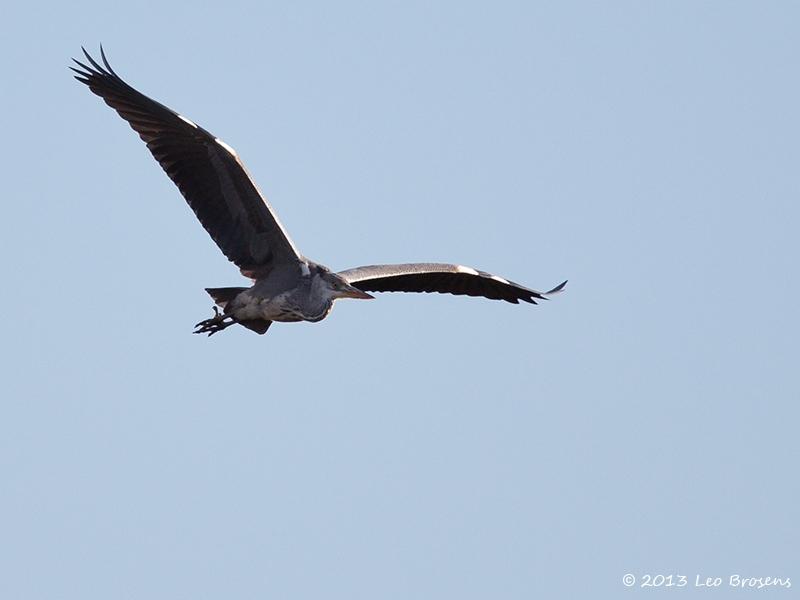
319	302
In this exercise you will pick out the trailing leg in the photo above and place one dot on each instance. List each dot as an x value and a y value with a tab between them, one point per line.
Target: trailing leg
215	324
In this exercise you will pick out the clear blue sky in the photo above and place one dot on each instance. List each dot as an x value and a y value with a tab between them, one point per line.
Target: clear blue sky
646	421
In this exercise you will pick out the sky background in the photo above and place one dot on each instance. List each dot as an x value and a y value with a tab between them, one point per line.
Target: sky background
645	421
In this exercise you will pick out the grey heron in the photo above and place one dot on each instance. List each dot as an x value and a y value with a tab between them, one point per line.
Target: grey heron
286	285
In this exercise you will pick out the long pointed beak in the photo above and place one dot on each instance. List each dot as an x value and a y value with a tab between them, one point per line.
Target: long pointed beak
354	292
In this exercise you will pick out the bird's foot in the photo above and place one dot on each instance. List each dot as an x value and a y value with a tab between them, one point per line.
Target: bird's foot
215	324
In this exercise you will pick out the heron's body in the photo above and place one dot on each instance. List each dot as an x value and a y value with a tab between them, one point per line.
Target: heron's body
296	293
286	287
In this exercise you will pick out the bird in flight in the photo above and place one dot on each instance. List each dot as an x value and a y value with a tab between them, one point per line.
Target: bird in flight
286	286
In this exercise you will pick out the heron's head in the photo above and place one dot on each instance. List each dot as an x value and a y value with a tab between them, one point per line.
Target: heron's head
337	287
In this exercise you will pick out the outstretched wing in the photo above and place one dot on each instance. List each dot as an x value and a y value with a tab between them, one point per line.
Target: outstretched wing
206	170
442	278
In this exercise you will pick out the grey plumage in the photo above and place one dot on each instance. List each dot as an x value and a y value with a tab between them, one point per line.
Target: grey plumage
287	286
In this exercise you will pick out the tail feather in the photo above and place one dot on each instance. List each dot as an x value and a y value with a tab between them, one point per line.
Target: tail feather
224	295
260	326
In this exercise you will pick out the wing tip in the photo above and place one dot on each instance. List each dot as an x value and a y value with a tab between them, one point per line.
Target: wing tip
559	288
95	70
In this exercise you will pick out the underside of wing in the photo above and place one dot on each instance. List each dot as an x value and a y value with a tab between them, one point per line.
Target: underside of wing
442	278
206	170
